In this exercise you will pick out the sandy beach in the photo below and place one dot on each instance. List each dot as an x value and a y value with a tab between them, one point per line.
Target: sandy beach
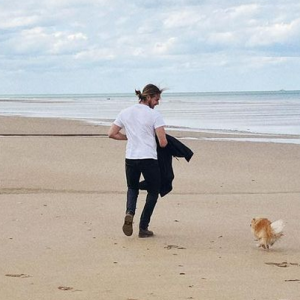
62	203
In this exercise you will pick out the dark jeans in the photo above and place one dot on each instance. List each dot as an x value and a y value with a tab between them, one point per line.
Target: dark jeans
150	170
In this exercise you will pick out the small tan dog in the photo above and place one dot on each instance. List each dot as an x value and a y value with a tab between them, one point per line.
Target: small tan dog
266	232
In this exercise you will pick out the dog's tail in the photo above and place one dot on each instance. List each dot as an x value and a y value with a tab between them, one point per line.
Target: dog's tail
277	228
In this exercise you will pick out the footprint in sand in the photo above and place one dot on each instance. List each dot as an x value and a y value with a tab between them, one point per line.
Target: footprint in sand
169	247
18	275
65	288
283	264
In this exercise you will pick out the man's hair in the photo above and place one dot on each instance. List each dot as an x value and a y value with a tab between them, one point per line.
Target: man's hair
149	90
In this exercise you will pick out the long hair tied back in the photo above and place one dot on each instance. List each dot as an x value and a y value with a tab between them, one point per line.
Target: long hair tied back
148	90
140	95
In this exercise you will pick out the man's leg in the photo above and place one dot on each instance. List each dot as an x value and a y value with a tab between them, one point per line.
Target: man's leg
151	173
151	201
132	176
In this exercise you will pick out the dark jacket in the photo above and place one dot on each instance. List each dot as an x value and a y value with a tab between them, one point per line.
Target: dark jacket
164	155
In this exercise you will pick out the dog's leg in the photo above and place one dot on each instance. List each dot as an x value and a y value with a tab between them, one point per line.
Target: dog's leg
264	244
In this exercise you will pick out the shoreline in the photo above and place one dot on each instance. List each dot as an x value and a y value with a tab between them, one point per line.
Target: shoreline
93	128
242	114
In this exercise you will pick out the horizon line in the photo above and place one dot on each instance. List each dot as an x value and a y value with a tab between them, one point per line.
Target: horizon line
165	92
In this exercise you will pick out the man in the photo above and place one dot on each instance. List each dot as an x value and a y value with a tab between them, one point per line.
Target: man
141	123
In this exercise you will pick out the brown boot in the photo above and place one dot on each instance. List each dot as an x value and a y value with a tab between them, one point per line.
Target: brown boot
127	227
145	233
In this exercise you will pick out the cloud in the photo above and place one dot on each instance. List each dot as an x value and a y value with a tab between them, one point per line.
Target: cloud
98	36
16	21
40	41
164	47
96	54
182	19
276	33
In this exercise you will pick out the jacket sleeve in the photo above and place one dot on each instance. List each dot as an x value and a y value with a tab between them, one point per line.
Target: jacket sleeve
178	149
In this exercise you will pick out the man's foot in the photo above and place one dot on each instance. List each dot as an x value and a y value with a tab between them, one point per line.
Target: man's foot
127	227
145	233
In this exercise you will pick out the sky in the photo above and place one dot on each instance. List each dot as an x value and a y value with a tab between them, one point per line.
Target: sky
115	46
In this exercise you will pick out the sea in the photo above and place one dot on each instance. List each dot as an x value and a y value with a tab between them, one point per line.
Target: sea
275	115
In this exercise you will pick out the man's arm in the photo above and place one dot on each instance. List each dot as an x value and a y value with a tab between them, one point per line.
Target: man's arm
114	133
161	135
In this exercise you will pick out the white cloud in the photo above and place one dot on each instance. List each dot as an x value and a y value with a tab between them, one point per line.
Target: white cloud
40	41
275	33
95	54
182	18
17	20
242	11
163	35
164	47
263	61
223	38
67	43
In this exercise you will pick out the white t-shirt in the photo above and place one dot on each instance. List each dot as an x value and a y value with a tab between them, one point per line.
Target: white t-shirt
140	122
